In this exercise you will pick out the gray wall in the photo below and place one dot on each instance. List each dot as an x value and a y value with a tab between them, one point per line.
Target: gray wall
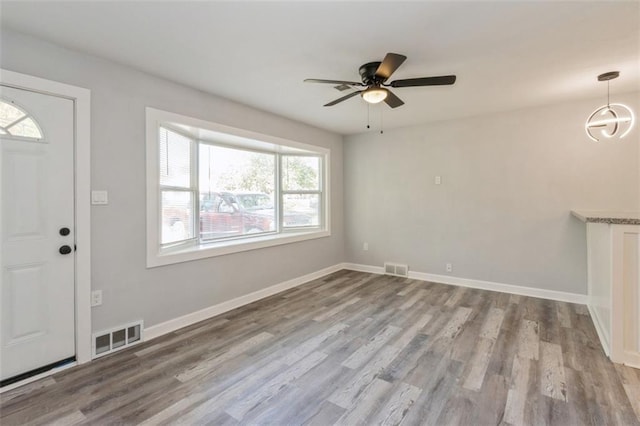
501	213
119	96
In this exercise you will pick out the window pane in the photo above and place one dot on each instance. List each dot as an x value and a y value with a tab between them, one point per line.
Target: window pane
236	192
301	210
175	159
177	222
300	173
26	128
9	114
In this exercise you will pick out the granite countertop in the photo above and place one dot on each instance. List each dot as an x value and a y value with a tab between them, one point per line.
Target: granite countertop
612	218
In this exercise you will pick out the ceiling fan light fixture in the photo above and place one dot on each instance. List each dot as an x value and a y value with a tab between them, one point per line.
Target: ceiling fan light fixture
374	95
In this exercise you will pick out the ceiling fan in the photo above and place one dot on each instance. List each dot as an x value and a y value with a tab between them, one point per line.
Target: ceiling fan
374	76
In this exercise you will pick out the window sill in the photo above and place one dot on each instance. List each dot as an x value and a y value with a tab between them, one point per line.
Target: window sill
186	254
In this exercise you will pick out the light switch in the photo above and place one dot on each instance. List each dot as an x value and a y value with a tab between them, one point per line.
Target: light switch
438	180
99	197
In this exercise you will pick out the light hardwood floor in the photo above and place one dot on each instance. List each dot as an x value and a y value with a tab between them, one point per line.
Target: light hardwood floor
353	348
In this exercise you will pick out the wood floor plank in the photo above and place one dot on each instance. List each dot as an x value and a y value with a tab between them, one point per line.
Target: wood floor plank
455	298
552	379
26	390
353	348
367	404
328	414
528	340
301	401
413	330
174	409
358	358
347	394
331	312
210	363
219	401
408	288
311	344
398	405
417	296
262	393
438	386
479	363
517	396
492	324
630	378
490	401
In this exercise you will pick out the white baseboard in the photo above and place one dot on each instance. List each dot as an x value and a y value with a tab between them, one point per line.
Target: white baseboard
597	323
194	317
203	314
484	285
363	268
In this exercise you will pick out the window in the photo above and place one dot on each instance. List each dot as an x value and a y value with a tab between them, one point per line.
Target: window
237	192
14	121
215	190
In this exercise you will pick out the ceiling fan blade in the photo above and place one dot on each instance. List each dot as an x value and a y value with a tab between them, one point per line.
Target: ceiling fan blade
425	81
344	98
392	100
316	80
389	64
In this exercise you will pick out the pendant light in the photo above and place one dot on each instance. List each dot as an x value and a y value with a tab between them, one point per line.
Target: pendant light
611	120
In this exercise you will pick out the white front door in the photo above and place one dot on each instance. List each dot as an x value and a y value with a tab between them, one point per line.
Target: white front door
37	256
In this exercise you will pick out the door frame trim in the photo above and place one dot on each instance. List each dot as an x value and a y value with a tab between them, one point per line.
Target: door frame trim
81	98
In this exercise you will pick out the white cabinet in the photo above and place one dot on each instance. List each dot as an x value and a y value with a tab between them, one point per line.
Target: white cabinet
613	253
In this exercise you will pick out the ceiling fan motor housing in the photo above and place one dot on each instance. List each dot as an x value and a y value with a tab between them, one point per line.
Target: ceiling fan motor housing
373	88
368	73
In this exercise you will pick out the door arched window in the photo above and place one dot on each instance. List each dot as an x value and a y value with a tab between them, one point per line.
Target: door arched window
15	121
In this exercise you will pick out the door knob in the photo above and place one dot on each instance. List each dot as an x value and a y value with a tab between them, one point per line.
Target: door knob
64	231
65	250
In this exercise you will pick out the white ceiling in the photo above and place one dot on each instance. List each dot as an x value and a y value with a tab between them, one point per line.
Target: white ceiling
507	55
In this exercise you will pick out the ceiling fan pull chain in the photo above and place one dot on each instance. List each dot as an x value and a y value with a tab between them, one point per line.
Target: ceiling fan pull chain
381	121
368	114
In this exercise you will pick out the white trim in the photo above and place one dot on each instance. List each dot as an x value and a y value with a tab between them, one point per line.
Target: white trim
623	315
156	256
206	313
600	330
82	102
203	314
229	247
364	268
484	285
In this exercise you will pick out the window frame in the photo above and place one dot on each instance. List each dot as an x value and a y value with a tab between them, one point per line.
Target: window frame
192	249
191	189
283	192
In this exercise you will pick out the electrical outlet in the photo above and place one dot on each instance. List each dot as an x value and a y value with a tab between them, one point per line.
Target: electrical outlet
96	298
449	267
365	246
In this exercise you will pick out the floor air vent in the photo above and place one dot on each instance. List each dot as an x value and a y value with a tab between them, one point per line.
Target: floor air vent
396	269
115	339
